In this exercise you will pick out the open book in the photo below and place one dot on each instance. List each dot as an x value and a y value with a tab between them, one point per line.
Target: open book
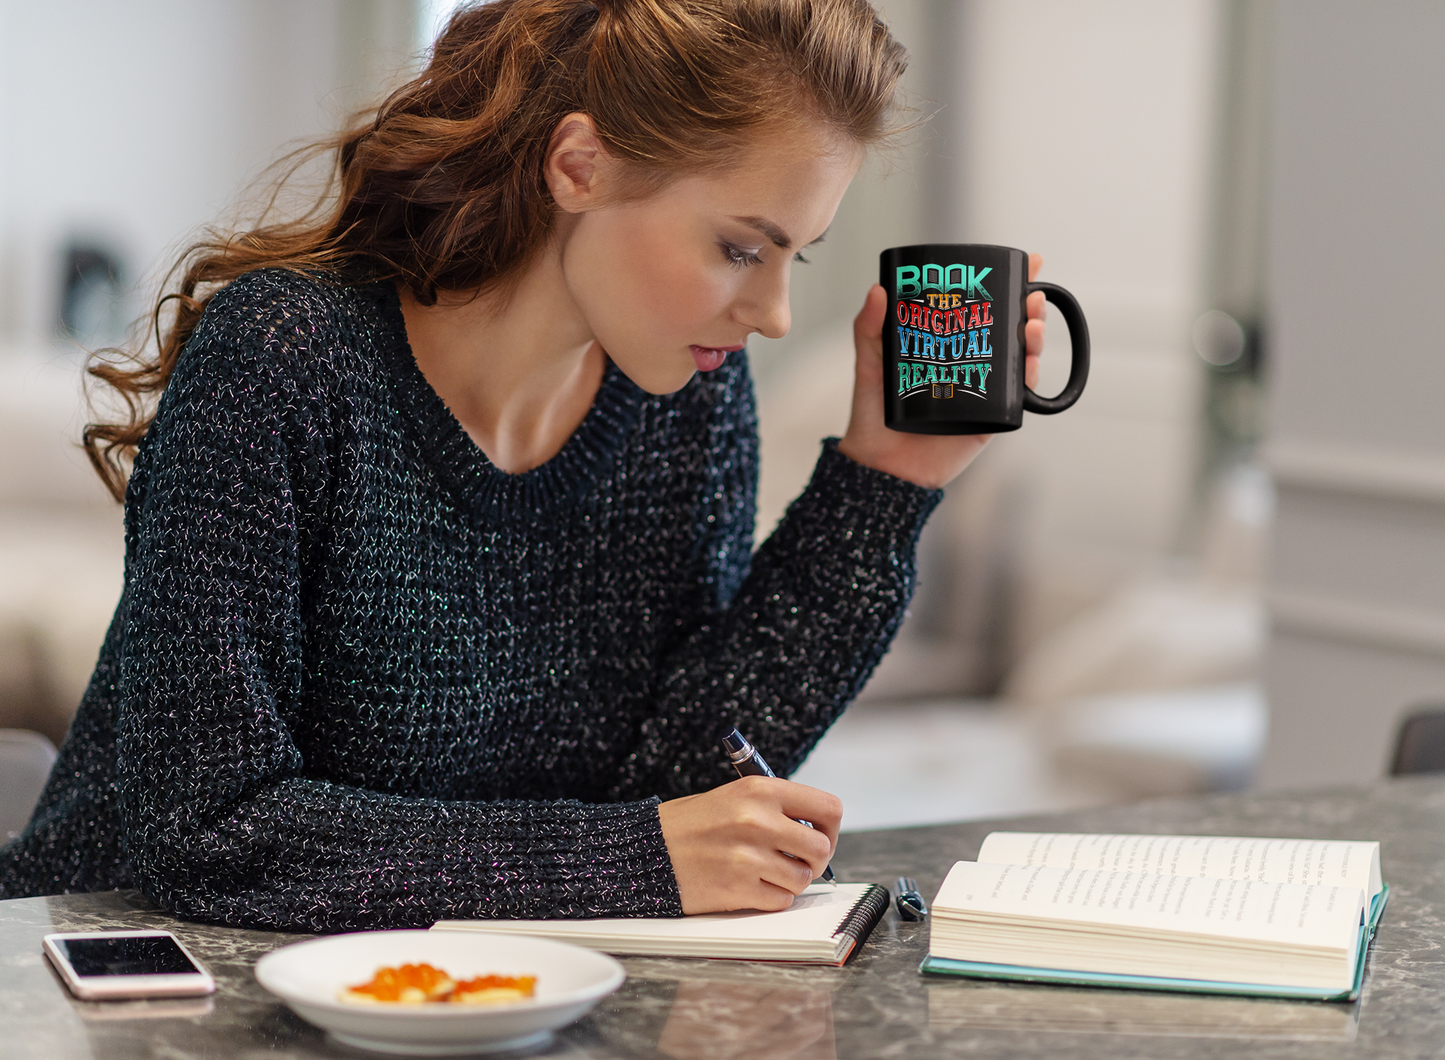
1279	917
822	926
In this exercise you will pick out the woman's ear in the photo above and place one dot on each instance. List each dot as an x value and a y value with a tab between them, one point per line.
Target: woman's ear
579	171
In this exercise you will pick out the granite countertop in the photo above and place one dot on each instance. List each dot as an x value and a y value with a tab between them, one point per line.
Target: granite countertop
876	1006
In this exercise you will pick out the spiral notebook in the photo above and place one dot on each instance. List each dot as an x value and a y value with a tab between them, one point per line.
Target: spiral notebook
824	925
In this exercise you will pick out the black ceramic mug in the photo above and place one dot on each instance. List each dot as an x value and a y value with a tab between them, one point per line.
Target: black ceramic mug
953	339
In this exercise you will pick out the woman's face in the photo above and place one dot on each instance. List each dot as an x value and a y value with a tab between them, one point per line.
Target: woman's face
670	284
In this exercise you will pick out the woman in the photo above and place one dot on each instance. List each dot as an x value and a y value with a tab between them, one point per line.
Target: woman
439	585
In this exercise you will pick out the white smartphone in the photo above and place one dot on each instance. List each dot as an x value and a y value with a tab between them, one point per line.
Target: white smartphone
99	965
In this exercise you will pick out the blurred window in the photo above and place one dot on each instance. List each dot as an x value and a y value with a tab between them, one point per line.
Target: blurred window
92	299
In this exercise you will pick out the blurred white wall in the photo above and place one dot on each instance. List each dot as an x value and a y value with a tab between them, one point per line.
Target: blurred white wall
1082	132
1085	132
1357	438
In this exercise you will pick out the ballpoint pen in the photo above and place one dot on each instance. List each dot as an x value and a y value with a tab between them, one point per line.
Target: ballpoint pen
746	760
911	905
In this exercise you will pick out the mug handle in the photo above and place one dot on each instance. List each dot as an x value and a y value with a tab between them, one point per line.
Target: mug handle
1078	337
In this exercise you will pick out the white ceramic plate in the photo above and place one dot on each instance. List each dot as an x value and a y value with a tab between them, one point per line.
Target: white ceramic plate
307	976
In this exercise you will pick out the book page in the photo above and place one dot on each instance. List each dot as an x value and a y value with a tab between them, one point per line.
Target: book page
1307	861
1274	912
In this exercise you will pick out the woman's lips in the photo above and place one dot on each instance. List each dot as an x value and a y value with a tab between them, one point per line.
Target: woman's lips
711	357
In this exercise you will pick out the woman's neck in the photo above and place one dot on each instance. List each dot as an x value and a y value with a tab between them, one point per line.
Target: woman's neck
518	369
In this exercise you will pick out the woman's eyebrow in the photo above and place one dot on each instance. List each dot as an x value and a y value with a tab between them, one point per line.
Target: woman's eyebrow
775	234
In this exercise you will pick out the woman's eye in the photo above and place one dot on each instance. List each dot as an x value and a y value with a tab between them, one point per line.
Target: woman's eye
738	257
798	257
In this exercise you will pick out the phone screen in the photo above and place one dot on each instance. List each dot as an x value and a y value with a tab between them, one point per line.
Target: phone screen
147	955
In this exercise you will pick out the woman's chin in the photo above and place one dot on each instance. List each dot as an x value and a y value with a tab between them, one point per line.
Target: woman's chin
659	380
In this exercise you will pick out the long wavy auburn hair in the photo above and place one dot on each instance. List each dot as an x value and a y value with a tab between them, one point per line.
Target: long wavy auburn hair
441	187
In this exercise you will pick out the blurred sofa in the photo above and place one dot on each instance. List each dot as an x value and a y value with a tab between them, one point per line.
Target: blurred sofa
61	543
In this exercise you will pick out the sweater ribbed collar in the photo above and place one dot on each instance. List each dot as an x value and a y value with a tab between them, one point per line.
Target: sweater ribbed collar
480	485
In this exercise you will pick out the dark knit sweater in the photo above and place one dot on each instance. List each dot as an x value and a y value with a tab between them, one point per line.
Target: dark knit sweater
360	677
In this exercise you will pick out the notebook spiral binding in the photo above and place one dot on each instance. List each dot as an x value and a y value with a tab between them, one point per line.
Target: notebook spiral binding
865	914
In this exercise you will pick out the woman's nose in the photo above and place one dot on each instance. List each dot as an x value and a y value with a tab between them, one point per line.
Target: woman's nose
765	307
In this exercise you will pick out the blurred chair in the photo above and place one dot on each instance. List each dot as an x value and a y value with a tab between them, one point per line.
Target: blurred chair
1420	747
25	761
1170	742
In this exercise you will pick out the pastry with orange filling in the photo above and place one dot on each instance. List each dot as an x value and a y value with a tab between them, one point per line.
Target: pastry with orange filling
420	984
493	990
411	984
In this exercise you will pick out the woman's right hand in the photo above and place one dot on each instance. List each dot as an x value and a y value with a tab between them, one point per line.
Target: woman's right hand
730	846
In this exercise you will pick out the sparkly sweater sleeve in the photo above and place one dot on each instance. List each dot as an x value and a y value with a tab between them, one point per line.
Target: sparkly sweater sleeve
218	815
793	635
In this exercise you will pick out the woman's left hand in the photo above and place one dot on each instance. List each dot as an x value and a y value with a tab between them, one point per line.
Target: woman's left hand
931	460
